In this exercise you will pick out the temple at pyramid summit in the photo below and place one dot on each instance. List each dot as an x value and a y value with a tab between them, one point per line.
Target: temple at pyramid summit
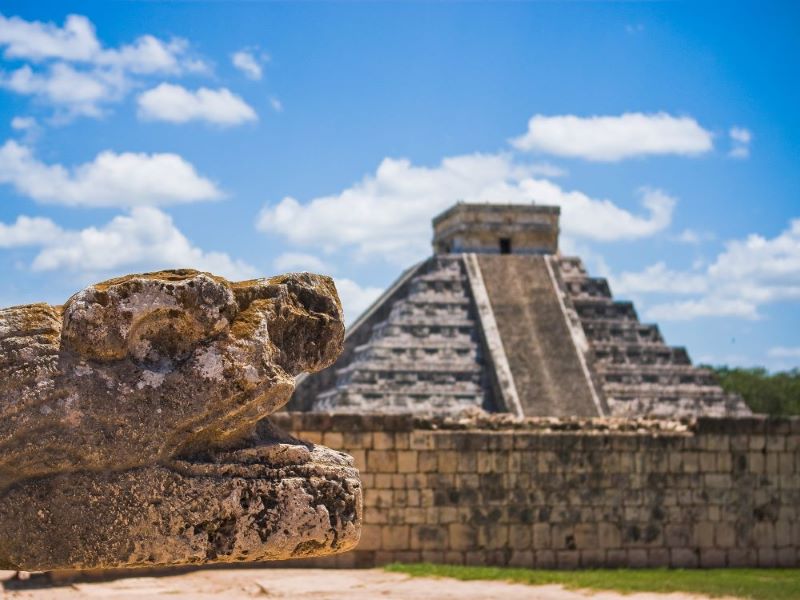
498	319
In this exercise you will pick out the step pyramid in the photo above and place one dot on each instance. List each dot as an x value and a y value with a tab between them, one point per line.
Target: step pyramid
497	319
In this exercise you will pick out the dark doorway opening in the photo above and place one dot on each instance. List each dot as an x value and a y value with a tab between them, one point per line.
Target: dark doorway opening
505	245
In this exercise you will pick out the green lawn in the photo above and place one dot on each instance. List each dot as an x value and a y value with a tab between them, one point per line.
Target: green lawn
758	584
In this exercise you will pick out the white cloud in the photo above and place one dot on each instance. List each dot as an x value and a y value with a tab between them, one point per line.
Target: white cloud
613	138
692	237
748	274
35	40
28	231
76	41
76	92
355	298
176	104
784	352
23	123
387	214
658	278
740	142
276	104
247	63
111	179
145	239
297	261
77	74
704	307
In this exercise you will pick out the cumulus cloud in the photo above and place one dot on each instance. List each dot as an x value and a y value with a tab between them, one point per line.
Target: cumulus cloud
387	214
76	41
75	92
247	63
740	142
176	104
146	239
111	179
28	231
613	138
747	275
75	73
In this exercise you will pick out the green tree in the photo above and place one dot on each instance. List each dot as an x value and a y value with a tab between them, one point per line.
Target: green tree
764	392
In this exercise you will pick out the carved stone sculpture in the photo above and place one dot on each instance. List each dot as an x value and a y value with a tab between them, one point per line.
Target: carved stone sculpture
131	428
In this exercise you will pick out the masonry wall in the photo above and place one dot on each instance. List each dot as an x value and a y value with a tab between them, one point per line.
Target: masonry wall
566	493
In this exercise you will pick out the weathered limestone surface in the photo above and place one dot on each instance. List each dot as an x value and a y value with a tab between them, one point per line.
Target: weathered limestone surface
128	425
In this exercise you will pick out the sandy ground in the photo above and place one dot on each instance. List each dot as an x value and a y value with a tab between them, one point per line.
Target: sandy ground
316	584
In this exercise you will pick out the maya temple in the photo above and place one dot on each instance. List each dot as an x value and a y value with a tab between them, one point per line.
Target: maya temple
498	319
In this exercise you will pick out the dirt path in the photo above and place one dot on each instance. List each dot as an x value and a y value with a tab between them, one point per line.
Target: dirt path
315	584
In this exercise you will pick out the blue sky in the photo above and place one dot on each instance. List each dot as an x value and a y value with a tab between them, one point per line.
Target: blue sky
251	138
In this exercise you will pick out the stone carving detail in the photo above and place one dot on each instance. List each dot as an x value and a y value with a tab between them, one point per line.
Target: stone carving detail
130	433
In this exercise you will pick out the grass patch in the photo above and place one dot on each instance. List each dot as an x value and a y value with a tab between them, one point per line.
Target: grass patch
758	584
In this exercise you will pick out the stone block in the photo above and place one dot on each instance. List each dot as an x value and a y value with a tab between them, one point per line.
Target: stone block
683	558
370	538
586	536
616	559
382	461
712	558
467	462
521	559
395	537
407	461
383	440
333	439
724	535
427	461
462	537
421	440
448	461
703	535
767	557
541	536
568	559
608	535
637	558
787	557
592	559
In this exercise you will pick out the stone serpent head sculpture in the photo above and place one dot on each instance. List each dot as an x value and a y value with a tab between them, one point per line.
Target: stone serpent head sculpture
132	431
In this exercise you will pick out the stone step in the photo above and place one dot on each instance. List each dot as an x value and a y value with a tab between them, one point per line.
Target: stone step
654	374
412	354
587	288
640	354
391	370
617	331
605	309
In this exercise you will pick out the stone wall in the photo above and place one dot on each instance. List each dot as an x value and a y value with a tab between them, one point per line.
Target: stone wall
566	493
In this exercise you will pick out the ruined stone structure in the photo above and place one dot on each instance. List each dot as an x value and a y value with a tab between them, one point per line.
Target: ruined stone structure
568	493
497	319
131	428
